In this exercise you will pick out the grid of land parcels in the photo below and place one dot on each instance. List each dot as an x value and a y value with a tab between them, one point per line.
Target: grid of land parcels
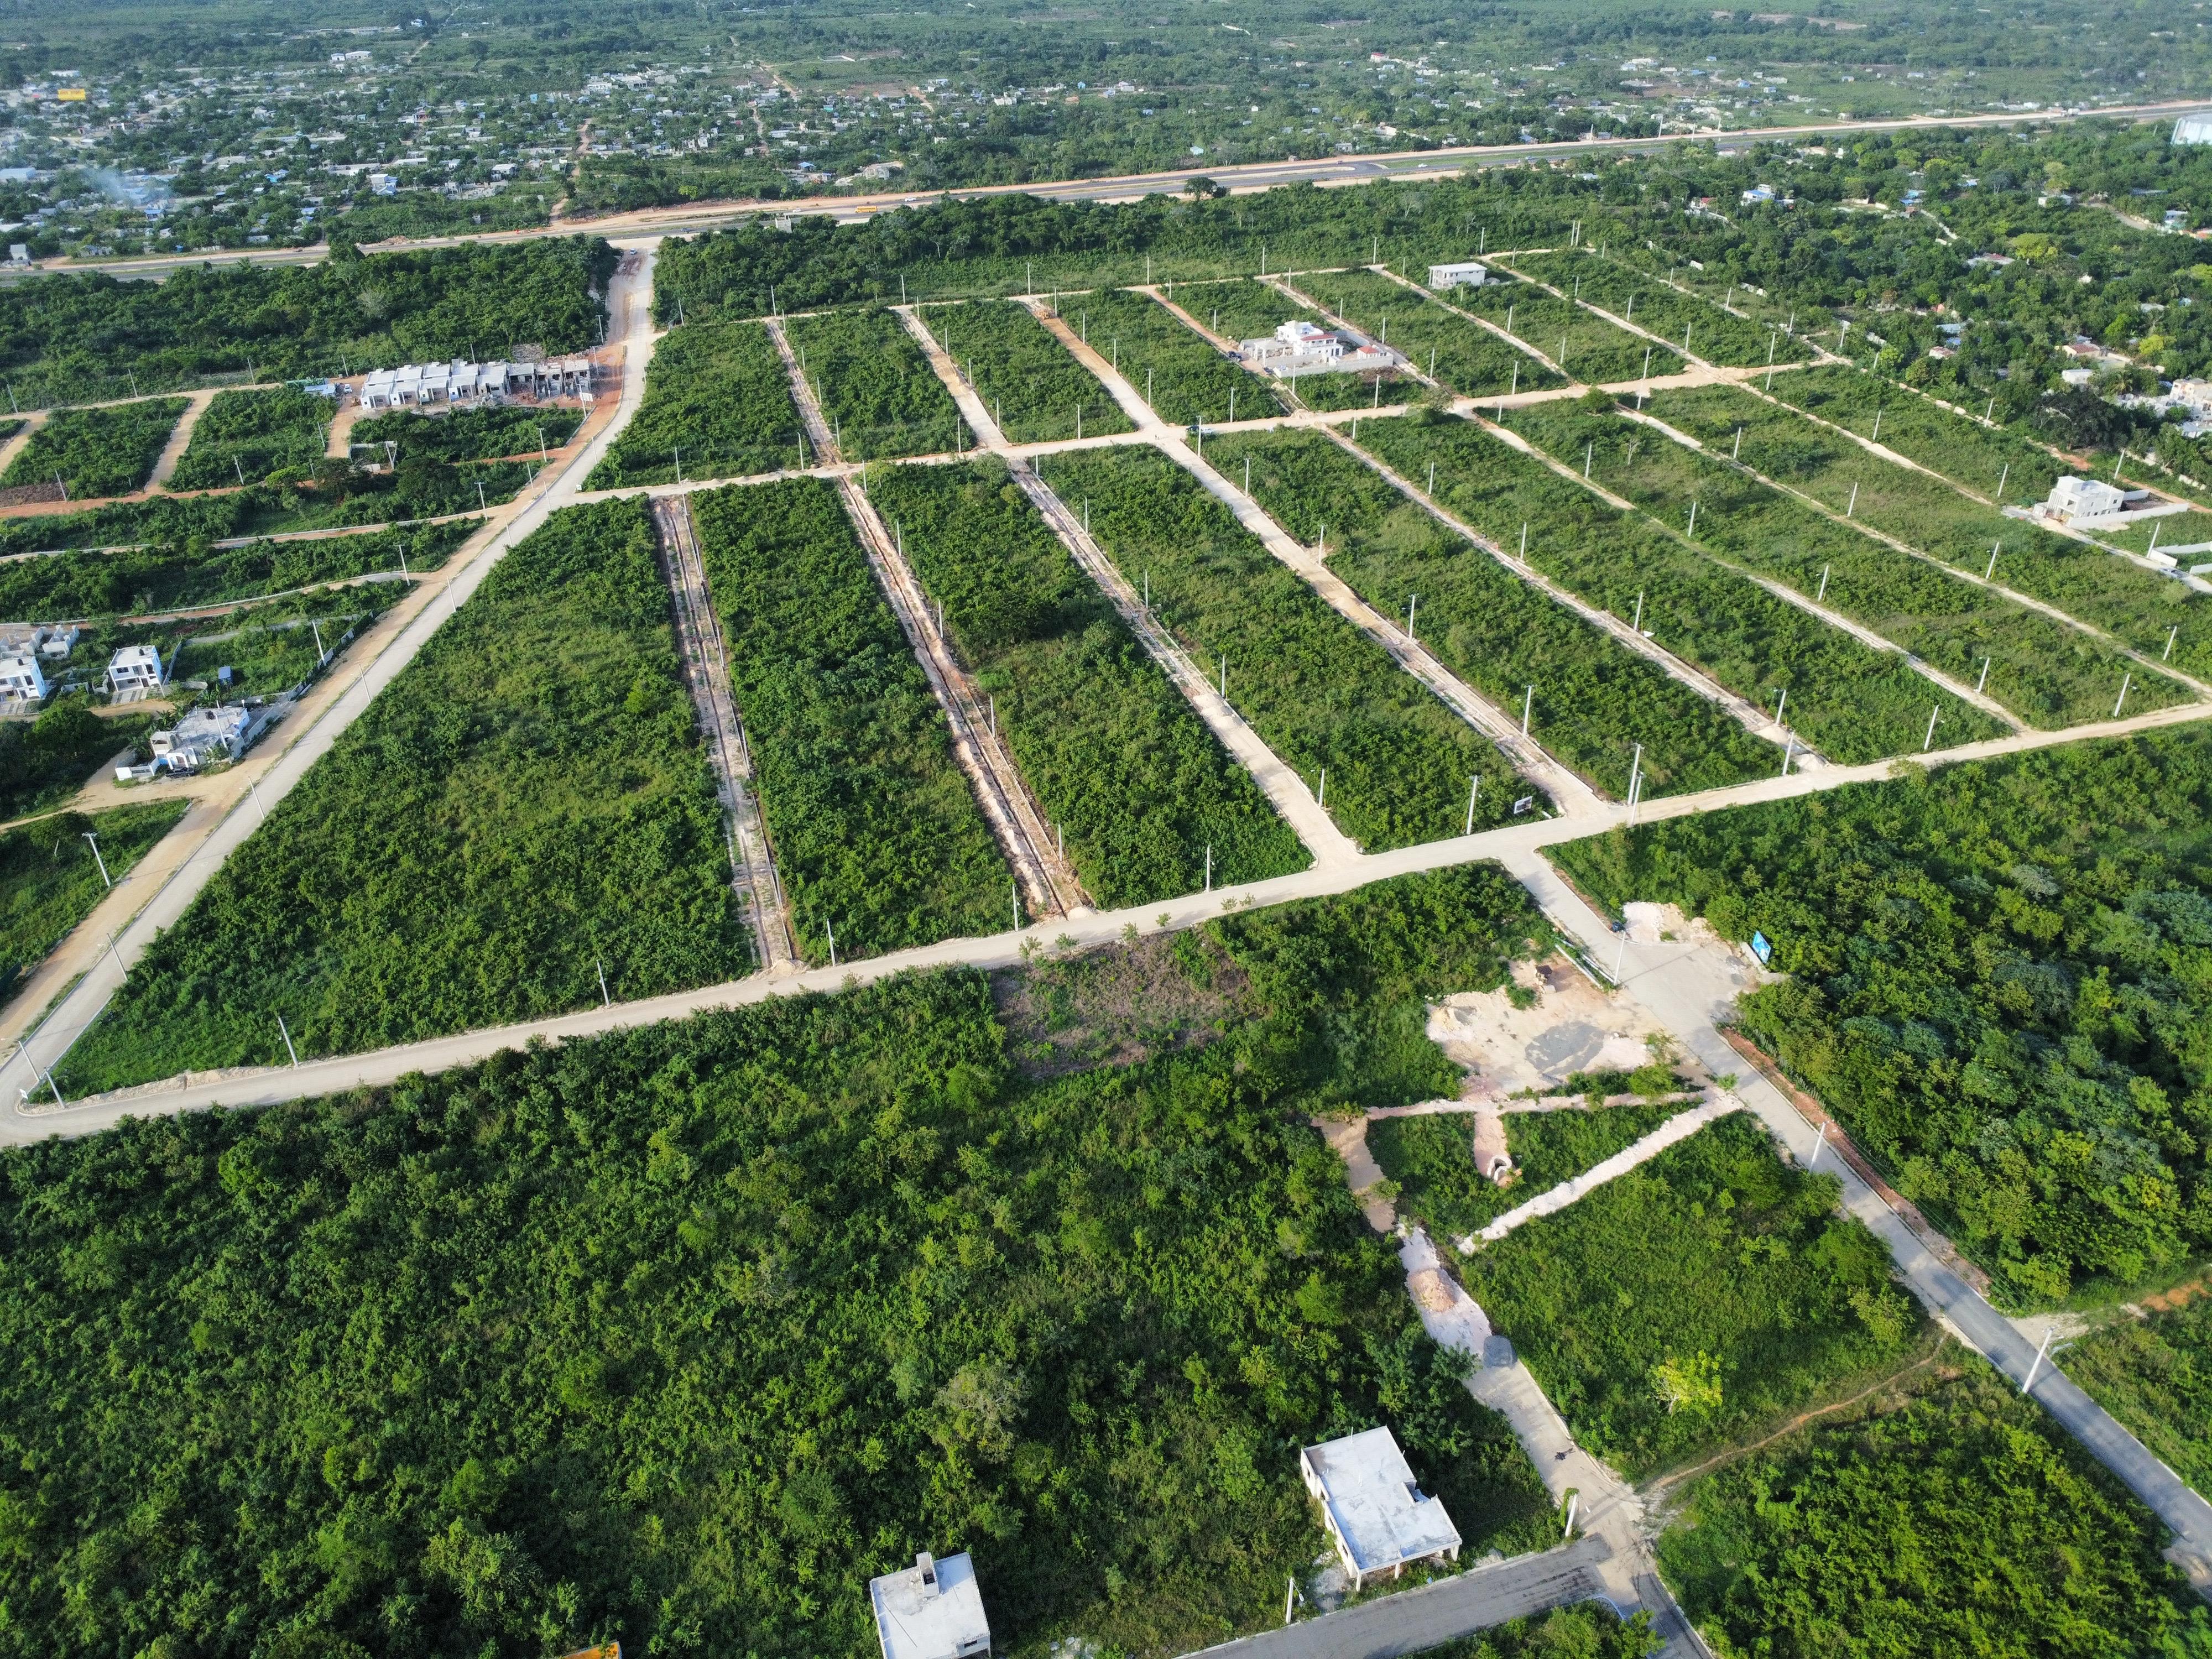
717	405
1035	390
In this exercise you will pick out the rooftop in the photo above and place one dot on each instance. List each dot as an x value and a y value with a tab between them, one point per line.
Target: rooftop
932	1610
1377	1507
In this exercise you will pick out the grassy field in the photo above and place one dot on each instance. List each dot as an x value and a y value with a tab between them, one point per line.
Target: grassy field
526	803
1963	451
1593	699
1639	298
1039	393
1182	377
96	451
247	437
2136	605
470	434
1963	1521
1466	357
2048	674
1116	756
1692	1298
1847	700
717	395
874	383
1432	1158
50	879
1318	692
1584	344
876	834
2154	1375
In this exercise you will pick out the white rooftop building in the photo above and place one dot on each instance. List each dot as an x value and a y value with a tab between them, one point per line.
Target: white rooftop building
20	680
2193	130
2089	501
460	384
19	639
932	1610
1299	347
1373	1508
202	738
1466	274
135	668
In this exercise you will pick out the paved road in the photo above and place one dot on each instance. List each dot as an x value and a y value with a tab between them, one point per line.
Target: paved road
694	217
1427	1617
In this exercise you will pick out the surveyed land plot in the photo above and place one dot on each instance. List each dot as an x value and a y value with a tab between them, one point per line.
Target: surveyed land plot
91	452
51	879
1848	700
1182	377
717	404
1696	327
466	434
1464	356
1150	802
1975	456
1246	309
1582	343
1036	392
1590	700
2140	607
1325	698
2049	674
877	839
876	387
525	807
1432	1159
247	437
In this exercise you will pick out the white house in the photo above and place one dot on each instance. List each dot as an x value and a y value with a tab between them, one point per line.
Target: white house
2086	501
1299	347
2193	130
1466	274
135	668
202	738
58	642
931	1610
20	680
1373	1508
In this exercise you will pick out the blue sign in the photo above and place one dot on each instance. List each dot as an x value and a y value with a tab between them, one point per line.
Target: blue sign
1761	948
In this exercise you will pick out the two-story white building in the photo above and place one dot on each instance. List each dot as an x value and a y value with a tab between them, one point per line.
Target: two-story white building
202	738
1374	1510
21	678
1299	347
133	668
1467	274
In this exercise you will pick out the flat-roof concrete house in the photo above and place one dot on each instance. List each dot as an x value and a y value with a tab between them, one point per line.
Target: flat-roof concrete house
1299	347
1465	275
21	679
931	1610
135	668
1372	1507
202	738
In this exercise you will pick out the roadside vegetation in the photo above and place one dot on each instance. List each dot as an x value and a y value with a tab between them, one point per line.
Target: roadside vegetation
92	453
1997	984
1583	1630
1921	429
249	437
525	805
1036	390
2154	1375
49	879
1692	1298
878	837
1149	799
1318	692
1964	1522
1590	700
2046	672
874	383
718	400
45	762
1432	1159
673	1247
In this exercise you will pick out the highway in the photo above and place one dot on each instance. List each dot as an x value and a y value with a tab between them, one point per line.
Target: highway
692	218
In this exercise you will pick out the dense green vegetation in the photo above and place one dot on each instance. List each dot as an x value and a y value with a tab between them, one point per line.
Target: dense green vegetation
1184	379
2136	605
1036	390
1999	984
1693	1298
66	338
167	576
92	452
2154	1375
877	834
717	394
1965	1522
1713	334
46	761
1584	1630
2044	672
248	437
1115	756
1587	347
1432	1159
679	1336
272	649
1593	699
1318	692
1466	357
470	435
874	383
1849	702
1921	429
49	879
526	803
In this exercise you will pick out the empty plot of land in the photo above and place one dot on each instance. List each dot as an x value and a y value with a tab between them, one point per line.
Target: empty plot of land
91	452
1582	343
1036	392
1698	328
877	391
717	404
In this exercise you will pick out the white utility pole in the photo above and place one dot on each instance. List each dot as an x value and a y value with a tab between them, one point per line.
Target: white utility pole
105	878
